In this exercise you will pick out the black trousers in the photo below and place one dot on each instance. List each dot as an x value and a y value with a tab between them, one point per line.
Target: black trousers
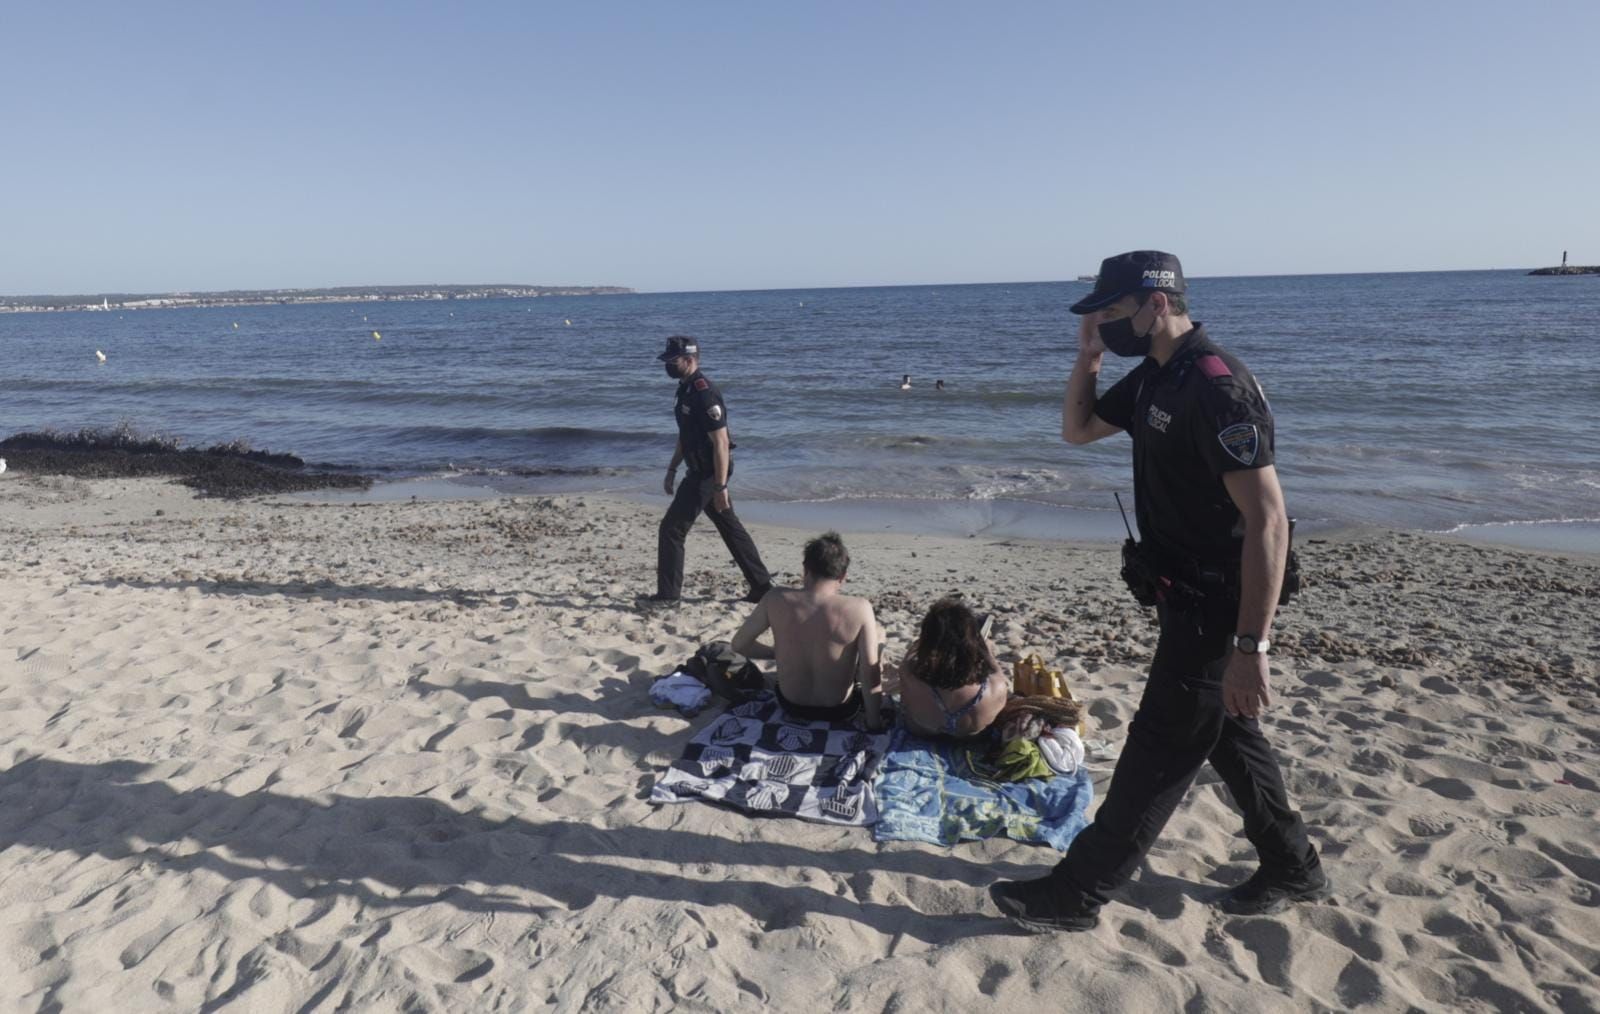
1180	725
693	496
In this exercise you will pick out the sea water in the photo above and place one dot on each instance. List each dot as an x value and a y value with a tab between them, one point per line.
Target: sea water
1459	401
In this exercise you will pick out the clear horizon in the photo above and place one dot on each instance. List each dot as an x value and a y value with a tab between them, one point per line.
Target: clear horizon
702	149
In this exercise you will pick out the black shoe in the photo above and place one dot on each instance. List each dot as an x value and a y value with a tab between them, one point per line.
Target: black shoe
757	594
1266	893
659	599
1037	906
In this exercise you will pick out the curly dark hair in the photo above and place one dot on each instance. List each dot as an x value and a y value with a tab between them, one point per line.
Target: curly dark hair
950	651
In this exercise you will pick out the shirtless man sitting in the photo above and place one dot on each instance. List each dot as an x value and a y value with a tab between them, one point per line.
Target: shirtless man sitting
826	644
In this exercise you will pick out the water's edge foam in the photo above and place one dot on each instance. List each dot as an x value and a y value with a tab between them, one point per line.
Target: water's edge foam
997	518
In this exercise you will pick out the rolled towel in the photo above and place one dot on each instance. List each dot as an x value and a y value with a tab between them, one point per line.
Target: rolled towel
1062	750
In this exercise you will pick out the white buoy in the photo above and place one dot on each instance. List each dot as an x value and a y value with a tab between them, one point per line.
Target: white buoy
569	323
100	355
377	337
236	325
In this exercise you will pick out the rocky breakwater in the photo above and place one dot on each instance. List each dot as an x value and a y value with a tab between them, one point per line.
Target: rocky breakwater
1575	269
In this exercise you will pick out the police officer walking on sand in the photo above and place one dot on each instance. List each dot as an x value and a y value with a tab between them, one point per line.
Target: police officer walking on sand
703	443
1215	540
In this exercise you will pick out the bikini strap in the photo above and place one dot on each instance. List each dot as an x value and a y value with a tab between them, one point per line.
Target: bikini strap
952	718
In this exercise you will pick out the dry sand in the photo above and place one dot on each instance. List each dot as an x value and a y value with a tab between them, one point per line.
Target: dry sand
279	756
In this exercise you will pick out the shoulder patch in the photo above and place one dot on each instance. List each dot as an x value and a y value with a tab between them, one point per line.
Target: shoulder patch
702	384
1213	366
1242	441
715	412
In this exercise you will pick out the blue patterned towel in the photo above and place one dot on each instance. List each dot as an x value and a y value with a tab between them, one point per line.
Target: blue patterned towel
928	792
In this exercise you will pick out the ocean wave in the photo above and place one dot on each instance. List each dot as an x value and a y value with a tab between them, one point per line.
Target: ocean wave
945	484
1470	525
916	441
451	470
234	389
468	436
902	441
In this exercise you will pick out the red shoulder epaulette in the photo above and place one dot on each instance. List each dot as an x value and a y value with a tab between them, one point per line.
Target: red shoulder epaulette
701	384
1213	366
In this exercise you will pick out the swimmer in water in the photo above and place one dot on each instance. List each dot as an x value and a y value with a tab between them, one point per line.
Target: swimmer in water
938	385
905	382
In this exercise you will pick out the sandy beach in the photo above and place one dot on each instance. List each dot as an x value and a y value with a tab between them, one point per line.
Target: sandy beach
271	755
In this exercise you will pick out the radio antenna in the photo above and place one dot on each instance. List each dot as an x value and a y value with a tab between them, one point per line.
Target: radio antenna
1124	516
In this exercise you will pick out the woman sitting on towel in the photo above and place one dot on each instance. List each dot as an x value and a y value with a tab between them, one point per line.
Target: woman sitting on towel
950	684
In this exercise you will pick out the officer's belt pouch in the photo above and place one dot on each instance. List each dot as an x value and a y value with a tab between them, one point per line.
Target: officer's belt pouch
1154	584
1137	575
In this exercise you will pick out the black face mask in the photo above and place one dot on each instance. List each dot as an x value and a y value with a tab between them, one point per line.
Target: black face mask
674	371
1123	340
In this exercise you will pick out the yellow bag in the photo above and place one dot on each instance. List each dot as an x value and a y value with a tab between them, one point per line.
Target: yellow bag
1025	676
1031	678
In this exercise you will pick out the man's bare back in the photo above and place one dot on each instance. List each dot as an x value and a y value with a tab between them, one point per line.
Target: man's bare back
825	644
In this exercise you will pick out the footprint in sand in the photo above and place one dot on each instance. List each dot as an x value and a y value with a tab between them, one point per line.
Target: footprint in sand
992	977
1450	788
1269	942
1358	984
1154	945
1428	826
1372	761
1407	885
434	963
1372	940
1520	863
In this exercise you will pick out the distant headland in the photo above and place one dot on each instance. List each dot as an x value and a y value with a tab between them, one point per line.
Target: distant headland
267	297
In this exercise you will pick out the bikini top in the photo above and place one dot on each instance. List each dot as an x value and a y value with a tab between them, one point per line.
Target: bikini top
953	718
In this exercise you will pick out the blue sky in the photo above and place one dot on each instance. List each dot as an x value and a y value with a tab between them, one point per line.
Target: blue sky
669	146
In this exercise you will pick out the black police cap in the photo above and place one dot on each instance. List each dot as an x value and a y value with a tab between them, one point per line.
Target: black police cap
1136	271
680	345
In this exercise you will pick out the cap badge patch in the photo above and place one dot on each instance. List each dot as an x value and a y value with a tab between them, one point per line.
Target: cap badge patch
1242	442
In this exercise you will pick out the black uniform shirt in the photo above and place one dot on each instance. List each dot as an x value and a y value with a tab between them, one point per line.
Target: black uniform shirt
1193	420
700	412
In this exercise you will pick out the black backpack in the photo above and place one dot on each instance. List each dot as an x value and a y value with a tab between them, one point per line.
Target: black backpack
725	672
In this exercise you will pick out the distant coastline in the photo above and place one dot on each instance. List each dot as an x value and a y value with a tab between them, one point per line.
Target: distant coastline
270	297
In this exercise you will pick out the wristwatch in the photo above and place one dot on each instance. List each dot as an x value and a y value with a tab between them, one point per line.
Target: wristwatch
720	488
1249	644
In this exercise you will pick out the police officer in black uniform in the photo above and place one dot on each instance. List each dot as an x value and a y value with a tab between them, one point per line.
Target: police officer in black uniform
1212	559
703	443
